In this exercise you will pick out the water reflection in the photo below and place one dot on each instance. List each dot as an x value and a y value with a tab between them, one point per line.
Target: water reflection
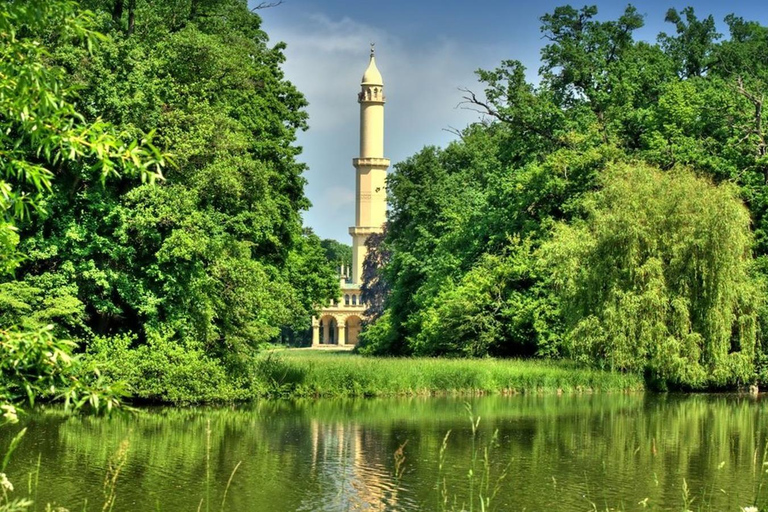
558	453
352	478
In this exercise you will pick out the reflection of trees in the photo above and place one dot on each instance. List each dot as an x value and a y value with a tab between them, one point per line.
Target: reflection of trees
338	455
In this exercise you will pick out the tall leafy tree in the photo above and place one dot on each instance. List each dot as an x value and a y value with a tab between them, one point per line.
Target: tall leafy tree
657	279
374	288
693	45
213	258
337	253
43	133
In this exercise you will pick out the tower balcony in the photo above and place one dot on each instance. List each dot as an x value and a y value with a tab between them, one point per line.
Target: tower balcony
370	162
365	230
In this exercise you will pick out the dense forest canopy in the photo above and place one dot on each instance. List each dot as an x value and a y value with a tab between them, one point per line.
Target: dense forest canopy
598	214
41	132
181	278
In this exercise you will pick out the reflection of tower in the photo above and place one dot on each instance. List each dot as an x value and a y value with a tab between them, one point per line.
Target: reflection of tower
350	478
339	322
371	166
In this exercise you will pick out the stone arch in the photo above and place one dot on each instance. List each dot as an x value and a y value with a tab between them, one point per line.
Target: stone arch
329	330
353	325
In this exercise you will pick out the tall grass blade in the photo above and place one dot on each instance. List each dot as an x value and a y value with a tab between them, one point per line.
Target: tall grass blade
229	483
11	448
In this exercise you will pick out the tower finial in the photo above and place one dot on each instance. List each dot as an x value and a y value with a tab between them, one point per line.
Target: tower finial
372	75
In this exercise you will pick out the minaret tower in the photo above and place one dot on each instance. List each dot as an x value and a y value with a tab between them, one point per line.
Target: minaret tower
371	167
340	321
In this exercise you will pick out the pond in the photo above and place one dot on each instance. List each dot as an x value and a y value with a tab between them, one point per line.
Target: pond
585	452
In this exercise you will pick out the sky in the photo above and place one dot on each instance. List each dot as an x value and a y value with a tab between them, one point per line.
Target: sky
426	50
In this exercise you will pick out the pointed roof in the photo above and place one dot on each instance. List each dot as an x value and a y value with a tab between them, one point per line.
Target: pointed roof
372	75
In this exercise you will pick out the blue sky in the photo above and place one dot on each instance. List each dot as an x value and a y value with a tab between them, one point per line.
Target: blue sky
426	51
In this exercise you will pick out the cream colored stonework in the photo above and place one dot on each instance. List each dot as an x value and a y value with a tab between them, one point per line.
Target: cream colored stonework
339	322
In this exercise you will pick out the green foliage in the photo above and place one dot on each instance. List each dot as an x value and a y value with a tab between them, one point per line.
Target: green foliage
40	129
693	46
164	370
36	365
500	307
656	279
337	253
583	62
213	258
49	301
42	133
468	222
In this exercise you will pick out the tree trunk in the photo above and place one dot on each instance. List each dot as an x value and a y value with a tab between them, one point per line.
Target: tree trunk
131	16
117	11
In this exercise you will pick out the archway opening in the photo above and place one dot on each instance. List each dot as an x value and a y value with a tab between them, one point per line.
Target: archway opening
353	324
329	330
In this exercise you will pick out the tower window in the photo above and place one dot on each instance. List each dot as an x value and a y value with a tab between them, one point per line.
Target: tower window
346	300
354	300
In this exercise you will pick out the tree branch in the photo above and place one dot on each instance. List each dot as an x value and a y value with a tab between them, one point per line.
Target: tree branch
486	109
454	131
266	5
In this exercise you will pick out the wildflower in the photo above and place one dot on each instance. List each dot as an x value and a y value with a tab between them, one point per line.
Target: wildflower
5	483
749	509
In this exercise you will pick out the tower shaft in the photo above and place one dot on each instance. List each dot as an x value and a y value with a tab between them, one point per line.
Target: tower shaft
371	168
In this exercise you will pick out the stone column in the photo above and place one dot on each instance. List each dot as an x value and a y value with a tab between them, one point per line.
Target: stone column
315	332
342	333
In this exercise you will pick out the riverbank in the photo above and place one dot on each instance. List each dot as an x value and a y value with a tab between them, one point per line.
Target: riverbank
307	373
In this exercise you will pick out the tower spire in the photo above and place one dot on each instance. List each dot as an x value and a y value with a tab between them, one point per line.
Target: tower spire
372	75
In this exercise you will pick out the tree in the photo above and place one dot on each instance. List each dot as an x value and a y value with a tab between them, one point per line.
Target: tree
467	223
584	58
337	253
206	256
657	279
41	133
41	130
212	260
693	46
374	288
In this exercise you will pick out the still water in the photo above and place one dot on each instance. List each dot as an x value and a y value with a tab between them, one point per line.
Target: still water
617	451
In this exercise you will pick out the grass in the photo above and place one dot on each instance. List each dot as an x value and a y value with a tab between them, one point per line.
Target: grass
304	373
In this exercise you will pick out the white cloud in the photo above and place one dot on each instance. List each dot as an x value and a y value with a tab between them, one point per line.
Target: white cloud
325	59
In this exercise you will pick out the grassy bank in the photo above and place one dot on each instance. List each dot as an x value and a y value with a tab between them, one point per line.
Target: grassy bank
304	373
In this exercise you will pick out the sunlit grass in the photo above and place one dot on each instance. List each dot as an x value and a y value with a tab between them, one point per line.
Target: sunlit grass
324	373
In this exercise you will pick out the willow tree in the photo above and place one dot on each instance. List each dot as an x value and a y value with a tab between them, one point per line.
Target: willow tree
656	279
